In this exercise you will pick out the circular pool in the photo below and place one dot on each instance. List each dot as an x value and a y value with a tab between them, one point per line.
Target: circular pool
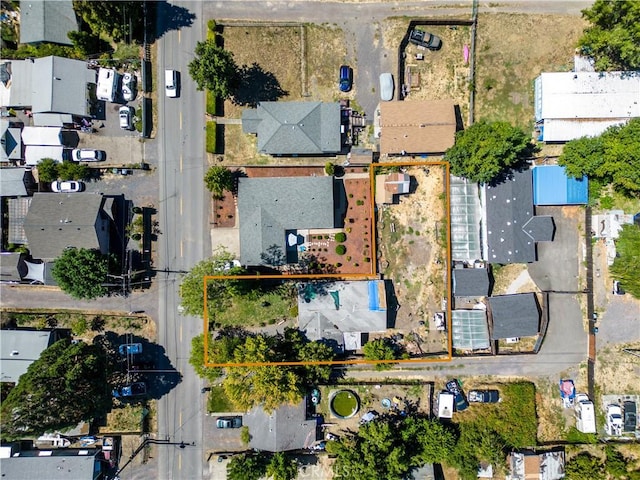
344	404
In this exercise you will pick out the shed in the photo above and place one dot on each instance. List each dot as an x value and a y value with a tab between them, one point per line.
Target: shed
471	282
445	405
12	182
469	329
552	186
514	315
20	348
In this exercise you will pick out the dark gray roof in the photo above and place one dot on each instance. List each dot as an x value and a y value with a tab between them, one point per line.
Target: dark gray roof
515	315
470	282
58	220
267	207
19	349
509	208
9	266
286	428
290	128
12	182
47	21
60	465
540	228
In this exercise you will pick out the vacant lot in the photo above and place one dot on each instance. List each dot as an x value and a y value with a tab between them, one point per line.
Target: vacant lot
511	52
412	253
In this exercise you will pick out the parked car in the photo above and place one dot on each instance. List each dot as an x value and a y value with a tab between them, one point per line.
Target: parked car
617	289
630	417
613	427
88	155
386	87
130	348
134	390
70	186
126	117
484	396
425	39
461	403
129	84
346	78
229	422
171	83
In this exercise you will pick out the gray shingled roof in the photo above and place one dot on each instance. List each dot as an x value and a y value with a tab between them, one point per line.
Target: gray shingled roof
60	85
510	235
57	220
267	207
60	465
26	347
295	128
47	21
286	428
470	282
515	315
540	228
12	182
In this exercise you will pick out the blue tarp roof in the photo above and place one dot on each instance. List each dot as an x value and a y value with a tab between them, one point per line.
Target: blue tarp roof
552	186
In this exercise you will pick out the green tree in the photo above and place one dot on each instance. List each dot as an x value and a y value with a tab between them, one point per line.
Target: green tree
213	68
616	464
478	443
218	179
316	352
81	272
625	268
219	292
281	467
246	467
584	466
118	20
486	150
613	37
87	43
613	157
72	171
390	446
381	349
47	170
66	385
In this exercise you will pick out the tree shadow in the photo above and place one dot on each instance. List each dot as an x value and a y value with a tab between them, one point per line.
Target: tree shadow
166	17
255	85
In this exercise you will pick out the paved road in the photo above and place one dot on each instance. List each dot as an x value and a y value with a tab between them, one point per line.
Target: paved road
183	217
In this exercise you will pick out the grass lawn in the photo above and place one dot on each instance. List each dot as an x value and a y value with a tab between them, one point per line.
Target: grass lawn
514	418
211	137
211	103
219	402
262	309
125	419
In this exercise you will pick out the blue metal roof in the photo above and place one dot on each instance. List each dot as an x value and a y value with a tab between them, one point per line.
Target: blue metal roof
552	186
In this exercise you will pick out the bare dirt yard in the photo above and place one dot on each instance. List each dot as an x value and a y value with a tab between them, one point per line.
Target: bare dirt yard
412	253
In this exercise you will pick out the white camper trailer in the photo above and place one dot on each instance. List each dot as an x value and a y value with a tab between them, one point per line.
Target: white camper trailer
445	405
585	414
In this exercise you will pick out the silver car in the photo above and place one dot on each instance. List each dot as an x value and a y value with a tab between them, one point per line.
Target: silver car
126	118
67	187
386	87
88	155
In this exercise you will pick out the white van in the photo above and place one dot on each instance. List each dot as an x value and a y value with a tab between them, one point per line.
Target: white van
386	87
171	83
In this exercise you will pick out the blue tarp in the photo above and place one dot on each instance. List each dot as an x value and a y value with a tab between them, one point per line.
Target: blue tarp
552	186
374	301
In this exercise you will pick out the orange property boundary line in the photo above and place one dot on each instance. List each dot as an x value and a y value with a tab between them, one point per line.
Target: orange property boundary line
353	276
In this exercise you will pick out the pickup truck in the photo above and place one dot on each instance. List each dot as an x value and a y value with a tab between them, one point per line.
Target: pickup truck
425	39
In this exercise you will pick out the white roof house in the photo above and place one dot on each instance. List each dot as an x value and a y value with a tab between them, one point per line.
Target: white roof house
42	136
570	105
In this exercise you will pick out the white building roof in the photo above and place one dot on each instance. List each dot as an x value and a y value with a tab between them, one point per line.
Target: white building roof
561	130
587	95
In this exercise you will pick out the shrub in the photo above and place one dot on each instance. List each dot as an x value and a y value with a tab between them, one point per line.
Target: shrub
245	436
360	202
341	249
367	259
79	326
329	168
340	237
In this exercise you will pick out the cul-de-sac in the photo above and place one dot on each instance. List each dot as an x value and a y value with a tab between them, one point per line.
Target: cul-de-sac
320	239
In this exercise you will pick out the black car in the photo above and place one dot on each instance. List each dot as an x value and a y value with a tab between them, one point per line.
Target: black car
453	386
425	39
484	396
630	417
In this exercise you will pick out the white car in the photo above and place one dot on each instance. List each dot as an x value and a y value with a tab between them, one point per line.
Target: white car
70	186
129	83
613	427
386	87
88	155
126	118
171	83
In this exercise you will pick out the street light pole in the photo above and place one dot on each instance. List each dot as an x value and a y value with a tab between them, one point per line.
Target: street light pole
146	442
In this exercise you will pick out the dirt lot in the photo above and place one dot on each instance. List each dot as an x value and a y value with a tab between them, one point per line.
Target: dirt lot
411	253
